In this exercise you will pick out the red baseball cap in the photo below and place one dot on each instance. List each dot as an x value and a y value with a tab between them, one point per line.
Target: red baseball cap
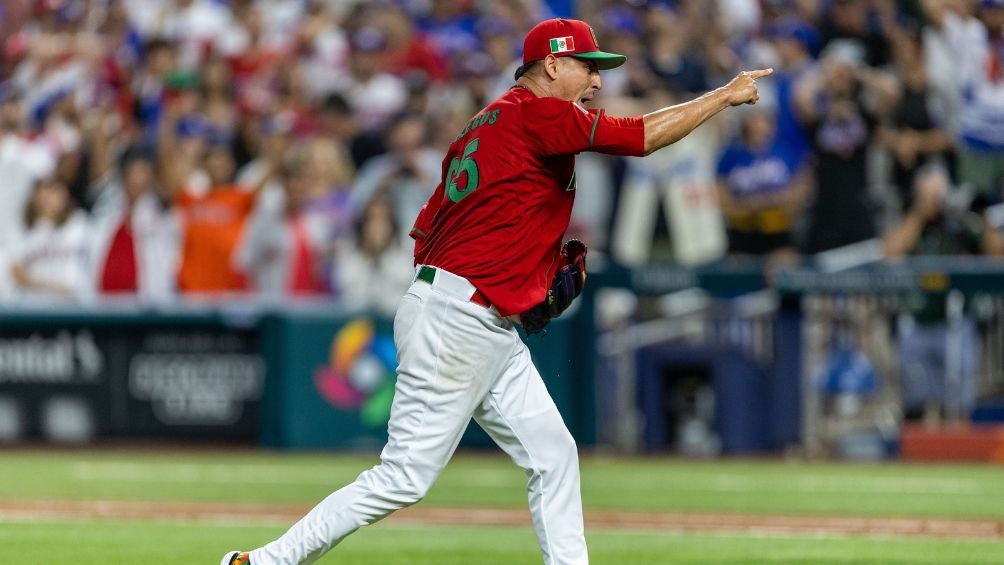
562	38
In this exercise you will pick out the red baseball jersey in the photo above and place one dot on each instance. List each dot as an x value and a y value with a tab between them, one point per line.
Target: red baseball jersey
505	199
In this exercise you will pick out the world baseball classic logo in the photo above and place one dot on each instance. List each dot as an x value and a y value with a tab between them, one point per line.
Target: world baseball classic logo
360	375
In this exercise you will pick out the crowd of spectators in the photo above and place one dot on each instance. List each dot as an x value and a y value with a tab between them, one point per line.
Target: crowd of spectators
165	148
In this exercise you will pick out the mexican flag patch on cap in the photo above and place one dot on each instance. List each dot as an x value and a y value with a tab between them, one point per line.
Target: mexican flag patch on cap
562	44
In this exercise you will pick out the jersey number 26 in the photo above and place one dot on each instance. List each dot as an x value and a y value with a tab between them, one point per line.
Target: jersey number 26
466	164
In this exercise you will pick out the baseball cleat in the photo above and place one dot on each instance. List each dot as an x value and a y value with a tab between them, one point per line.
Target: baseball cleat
236	558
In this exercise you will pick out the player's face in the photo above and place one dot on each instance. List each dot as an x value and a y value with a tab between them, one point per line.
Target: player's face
581	78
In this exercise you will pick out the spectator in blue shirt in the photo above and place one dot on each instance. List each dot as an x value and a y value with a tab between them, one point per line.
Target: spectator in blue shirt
795	41
762	183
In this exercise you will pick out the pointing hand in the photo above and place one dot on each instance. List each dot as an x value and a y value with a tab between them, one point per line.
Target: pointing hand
742	89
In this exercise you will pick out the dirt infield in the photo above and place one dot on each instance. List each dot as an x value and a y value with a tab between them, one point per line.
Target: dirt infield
649	521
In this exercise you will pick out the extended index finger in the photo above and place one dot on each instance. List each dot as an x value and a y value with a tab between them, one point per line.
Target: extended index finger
760	73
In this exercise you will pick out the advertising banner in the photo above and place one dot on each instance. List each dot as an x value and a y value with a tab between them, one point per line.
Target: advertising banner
87	379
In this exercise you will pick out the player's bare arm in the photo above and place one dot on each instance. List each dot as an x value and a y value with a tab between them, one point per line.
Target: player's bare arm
673	123
275	150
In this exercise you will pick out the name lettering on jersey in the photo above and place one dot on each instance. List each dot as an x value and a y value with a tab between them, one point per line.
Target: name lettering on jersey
478	121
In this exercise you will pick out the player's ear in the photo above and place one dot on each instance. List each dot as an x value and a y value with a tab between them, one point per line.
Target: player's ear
551	64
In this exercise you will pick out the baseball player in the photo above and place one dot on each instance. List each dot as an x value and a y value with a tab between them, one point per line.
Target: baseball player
488	255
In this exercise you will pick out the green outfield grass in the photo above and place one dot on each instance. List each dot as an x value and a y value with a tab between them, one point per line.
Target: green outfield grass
748	487
889	490
103	543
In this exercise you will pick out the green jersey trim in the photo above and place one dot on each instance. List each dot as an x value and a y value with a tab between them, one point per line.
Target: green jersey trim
592	134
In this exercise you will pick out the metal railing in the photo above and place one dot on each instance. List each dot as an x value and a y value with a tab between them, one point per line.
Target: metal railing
857	305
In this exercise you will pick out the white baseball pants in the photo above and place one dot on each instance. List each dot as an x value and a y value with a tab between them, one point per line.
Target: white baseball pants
456	360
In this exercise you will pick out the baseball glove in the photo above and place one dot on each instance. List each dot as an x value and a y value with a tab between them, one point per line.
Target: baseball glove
567	284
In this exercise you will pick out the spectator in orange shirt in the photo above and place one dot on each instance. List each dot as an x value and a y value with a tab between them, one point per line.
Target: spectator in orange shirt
212	222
